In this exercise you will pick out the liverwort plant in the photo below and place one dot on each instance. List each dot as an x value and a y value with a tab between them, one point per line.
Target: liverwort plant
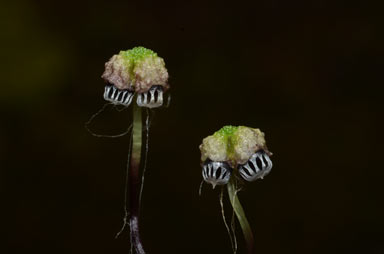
137	73
229	157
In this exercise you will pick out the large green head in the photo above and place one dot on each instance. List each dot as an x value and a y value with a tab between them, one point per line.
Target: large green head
138	70
235	147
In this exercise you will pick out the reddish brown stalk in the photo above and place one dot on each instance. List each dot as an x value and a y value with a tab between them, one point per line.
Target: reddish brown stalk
134	181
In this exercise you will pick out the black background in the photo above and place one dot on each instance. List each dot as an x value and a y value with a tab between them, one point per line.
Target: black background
306	73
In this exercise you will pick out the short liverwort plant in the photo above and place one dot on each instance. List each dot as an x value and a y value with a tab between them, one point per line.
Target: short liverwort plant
230	156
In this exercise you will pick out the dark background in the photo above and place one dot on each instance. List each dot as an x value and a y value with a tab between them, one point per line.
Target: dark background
306	73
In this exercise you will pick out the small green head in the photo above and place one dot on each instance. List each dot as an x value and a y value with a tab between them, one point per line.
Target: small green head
137	70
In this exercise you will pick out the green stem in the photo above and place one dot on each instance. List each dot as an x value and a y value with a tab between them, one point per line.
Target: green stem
232	192
134	180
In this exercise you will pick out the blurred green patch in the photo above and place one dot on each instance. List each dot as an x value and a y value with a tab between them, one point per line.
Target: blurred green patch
34	61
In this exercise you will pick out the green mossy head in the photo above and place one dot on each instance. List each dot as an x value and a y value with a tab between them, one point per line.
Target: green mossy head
234	144
136	69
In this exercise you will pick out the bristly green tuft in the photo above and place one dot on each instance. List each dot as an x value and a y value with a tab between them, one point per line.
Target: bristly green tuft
226	131
137	53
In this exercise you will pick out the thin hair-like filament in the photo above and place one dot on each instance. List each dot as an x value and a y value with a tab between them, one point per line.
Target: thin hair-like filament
104	135
126	213
231	231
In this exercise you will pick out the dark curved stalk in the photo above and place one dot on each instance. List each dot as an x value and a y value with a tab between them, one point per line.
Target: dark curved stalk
134	181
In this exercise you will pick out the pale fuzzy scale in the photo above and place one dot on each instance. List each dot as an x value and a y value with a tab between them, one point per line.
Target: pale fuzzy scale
214	148
117	73
246	142
150	71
